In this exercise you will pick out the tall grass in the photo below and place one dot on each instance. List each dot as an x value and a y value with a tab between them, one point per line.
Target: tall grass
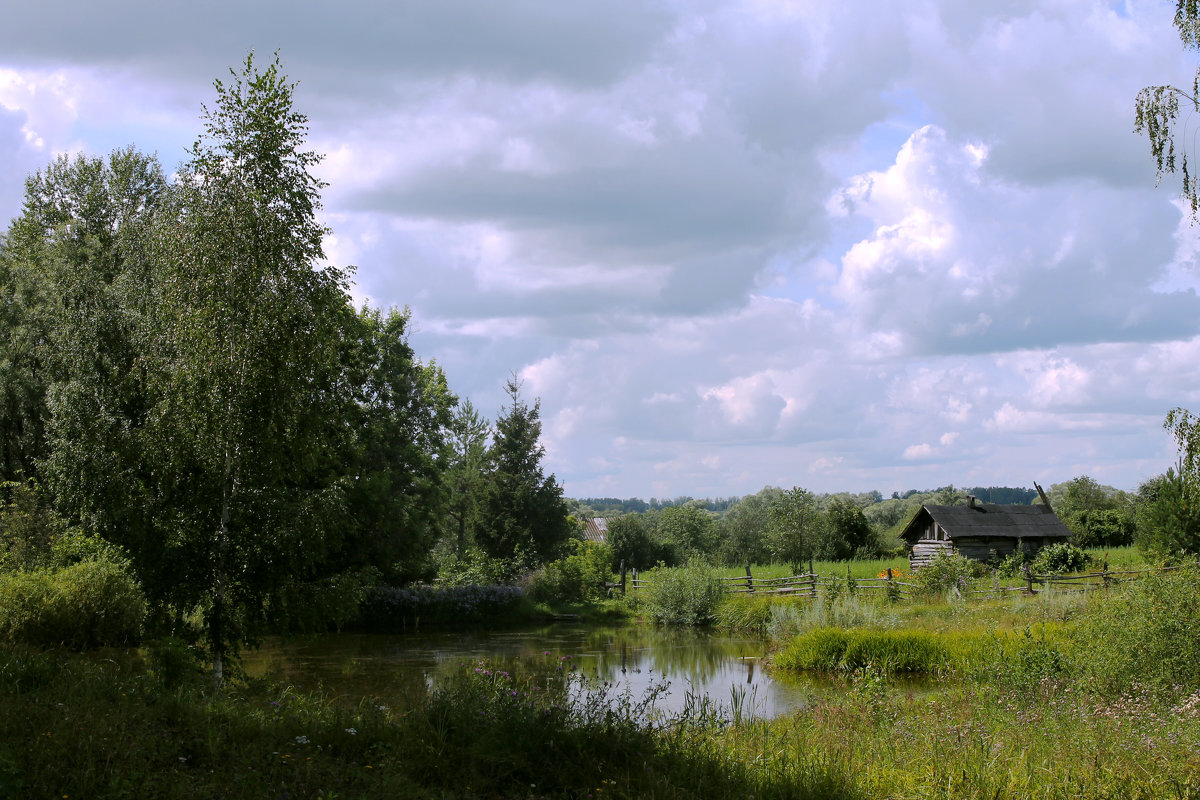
859	568
839	650
78	727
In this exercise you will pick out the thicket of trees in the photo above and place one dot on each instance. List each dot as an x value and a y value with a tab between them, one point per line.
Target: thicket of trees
182	376
793	526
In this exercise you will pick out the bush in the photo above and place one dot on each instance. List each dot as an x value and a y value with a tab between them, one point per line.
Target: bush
576	578
1058	559
685	596
1145	633
89	604
944	572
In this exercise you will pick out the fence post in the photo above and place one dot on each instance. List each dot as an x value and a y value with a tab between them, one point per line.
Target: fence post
749	580
1105	576
622	577
811	571
1028	579
635	579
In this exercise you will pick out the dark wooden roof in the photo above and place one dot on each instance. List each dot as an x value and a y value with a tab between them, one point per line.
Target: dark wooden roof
595	529
989	520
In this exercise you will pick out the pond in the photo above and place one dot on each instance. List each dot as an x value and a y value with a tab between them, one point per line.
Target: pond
726	669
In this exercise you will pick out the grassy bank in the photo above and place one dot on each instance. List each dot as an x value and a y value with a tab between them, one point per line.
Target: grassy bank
74	726
109	726
1057	696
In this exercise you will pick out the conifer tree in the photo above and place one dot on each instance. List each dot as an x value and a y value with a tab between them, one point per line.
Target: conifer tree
523	515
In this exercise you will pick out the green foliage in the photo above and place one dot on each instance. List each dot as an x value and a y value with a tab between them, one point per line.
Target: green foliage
688	532
465	463
946	572
838	650
802	615
751	613
86	605
521	509
796	527
397	420
743	529
484	733
1103	528
175	663
631	542
1059	559
244	349
28	528
1011	565
477	568
578	577
1169	517
847	533
1029	663
685	596
389	609
33	536
1146	633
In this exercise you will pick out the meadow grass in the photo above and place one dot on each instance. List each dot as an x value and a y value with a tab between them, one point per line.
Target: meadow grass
866	568
1027	703
108	727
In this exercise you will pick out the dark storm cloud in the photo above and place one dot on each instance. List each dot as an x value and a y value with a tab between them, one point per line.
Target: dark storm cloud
350	45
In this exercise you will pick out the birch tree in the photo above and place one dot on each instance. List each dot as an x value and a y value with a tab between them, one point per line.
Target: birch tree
1157	108
245	350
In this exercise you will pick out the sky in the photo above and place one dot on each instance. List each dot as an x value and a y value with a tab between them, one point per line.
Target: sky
728	243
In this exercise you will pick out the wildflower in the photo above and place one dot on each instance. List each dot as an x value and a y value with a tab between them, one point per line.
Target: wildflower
351	731
301	740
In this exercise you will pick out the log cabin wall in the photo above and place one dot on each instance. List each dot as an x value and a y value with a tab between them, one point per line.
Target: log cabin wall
924	551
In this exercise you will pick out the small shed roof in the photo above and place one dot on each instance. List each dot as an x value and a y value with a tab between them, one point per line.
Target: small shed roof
989	520
595	529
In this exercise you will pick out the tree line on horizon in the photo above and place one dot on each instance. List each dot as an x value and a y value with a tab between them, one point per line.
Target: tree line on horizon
778	526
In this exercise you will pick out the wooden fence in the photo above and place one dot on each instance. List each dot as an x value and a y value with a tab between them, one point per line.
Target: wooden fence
806	584
810	584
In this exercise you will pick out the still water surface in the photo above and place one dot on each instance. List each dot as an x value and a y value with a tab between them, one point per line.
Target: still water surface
726	669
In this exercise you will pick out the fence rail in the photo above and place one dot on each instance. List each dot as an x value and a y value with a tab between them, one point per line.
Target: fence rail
810	583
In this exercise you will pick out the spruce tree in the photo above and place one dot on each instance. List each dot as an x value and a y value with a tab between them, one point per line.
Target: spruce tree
523	514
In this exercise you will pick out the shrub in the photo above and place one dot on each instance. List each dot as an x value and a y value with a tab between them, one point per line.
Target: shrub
89	604
75	546
1060	558
578	577
684	596
944	572
1010	565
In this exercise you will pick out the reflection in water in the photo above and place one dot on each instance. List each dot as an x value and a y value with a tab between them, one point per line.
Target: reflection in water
634	659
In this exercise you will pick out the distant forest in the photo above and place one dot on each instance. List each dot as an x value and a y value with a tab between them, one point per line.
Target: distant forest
610	506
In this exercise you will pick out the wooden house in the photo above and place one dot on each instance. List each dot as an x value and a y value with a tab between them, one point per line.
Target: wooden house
981	531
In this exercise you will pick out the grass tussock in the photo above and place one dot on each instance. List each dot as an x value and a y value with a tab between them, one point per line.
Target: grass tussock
839	650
